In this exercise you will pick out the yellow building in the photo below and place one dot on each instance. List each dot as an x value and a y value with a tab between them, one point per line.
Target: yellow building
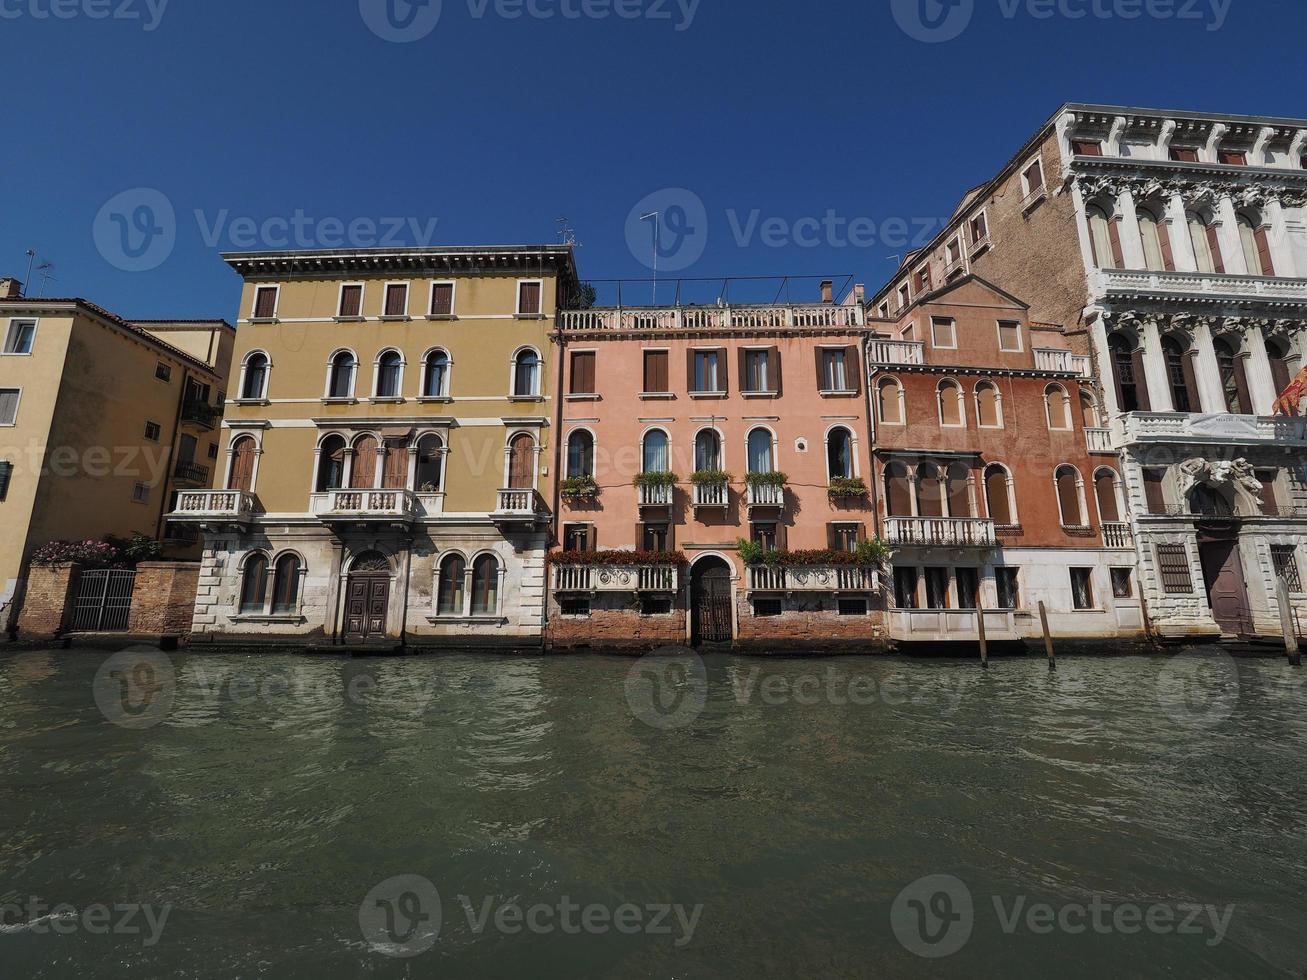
386	457
102	422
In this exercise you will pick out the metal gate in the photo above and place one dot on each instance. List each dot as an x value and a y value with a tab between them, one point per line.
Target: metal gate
104	600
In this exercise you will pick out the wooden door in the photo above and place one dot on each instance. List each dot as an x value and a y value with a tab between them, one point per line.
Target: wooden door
366	608
521	463
1223	575
395	474
364	474
242	465
712	605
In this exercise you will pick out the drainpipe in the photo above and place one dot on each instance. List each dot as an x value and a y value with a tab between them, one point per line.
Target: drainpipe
172	453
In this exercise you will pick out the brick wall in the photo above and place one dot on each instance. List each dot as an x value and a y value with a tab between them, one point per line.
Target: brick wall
812	625
47	606
163	602
615	623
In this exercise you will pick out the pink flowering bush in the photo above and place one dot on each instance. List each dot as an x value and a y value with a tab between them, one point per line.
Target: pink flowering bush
98	554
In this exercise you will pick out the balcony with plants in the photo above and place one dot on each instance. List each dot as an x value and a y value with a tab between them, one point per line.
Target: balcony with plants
616	571
815	571
656	488
712	489
766	489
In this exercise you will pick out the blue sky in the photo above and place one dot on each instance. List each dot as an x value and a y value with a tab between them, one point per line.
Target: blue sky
498	120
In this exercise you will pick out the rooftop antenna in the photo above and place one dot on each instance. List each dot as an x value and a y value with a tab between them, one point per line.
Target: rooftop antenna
47	273
566	232
656	215
31	257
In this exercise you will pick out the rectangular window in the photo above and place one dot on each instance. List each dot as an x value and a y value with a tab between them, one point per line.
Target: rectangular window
20	336
1087	148
528	298
9	405
1173	565
656	537
1270	500
943	333
955	251
442	299
905	588
213	450
757	372
583	372
1153	494
656	605
397	299
904	297
140	494
923	280
6	475
937	588
1285	559
706	379
153	431
579	606
656	381
768	608
764	533
351	300
1082	588
845	537
853	607
1184	154
834	370
979	228
1236	158
1009	336
578	537
1008	582
265	302
968	588
163	372
1123	583
1034	177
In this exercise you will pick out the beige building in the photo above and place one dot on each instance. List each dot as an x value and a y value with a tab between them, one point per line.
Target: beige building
387	460
102	422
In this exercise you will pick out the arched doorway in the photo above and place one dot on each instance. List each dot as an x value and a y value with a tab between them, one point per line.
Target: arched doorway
711	598
521	463
367	602
243	454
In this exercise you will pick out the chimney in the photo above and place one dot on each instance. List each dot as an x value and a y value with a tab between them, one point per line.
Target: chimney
10	289
860	294
827	291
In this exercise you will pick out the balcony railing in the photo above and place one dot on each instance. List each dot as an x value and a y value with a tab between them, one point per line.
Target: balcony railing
656	496
897	352
1211	429
949	532
201	414
1117	535
713	317
191	472
517	503
616	578
766	495
1099	440
811	578
1047	359
365	505
1179	284
213	505
711	495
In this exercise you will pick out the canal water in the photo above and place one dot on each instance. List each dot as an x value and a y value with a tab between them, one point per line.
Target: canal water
250	816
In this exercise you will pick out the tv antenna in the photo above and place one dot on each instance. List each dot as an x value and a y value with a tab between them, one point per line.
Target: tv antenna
657	216
46	269
31	257
566	233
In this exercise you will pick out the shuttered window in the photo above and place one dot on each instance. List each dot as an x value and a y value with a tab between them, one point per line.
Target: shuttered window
1068	497
979	228
6	474
351	300
442	299
528	298
655	372
1153	493
583	372
1235	158
1173	566
898	491
1270	502
1009	336
9	405
1034	177
1087	148
943	332
396	299
996	494
265	302
1184	154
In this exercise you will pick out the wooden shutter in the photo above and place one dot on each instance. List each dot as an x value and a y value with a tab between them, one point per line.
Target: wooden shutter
529	298
6	474
1241	386
1069	499
1141	382
852	369
351	300
242	465
1114	235
583	373
395	474
996	496
723	381
742	363
821	368
364	474
1153	494
832	537
521	468
442	299
1105	488
396	300
1214	244
1191	381
774	369
1280	375
1184	154
1264	252
639	536
265	303
1164	244
690	383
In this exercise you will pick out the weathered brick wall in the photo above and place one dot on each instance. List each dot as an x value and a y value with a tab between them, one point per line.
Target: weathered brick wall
811	624
163	602
47	607
615	624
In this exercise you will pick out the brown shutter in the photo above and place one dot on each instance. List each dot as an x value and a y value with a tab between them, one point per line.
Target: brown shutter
265	304
1141	382
242	465
1264	251
746	383
395	474
1214	243
661	360
1191	381
671	534
1153	491
1164	241
364	474
351	300
852	369
1280	375
782	538
583	373
1105	486
1069	499
996	497
832	538
689	371
396	300
1114	235
821	369
862	532
1241	386
649	369
639	536
592	538
442	299
723	381
529	298
774	369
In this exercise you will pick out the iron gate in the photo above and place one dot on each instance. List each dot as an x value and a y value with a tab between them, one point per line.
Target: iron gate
104	600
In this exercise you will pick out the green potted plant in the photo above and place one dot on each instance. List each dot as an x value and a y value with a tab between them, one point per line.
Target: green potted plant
661	478
579	488
770	479
847	486
710	478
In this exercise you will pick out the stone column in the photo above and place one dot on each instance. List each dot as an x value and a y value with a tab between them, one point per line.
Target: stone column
1278	230
1159	385
1261	383
1228	233
1082	228
1098	328
1132	246
1182	246
1211	390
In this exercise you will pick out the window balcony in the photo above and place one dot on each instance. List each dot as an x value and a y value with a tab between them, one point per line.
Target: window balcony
516	508
188	471
213	507
1099	440
699	318
1047	359
897	352
1118	535
763	495
616	578
200	415
709	496
1171	285
941	532
364	506
656	495
811	578
1181	427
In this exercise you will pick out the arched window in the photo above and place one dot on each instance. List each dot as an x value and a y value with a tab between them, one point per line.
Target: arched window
522	462
526	374
1206	242
1256	245
449	591
951	409
340	379
989	405
1180	375
656	454
1069	490
1127	366
254	585
1105	491
998	496
1104	238
839	453
580	454
1057	408
1209	502
1234	384
930	491
485	586
331	465
435	375
431	463
898	491
1283	367
254	385
390	370
1156	240
958	490
761	459
286	585
1089	415
889	394
708	451
366	453
244	451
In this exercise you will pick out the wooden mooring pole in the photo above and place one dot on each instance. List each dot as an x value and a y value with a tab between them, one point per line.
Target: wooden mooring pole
984	645
1287	624
1048	636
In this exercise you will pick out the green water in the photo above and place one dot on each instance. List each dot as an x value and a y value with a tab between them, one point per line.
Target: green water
263	802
